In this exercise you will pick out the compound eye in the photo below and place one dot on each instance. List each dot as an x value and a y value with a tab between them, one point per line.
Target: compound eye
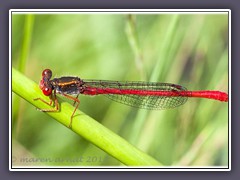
47	91
47	73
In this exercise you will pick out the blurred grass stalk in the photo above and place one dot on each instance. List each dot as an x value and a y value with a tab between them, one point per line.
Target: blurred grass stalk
157	70
83	125
132	35
27	37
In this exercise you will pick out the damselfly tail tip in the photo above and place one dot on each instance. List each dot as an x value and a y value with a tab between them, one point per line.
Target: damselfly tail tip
223	97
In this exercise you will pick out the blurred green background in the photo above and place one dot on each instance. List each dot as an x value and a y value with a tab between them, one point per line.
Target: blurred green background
186	49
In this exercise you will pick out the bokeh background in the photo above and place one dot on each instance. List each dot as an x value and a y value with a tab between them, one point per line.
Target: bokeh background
186	49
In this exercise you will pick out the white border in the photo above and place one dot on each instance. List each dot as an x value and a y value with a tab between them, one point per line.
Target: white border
114	168
229	88
123	11
120	11
10	89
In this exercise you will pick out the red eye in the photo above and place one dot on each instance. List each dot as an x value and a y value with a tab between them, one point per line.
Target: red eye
47	91
47	73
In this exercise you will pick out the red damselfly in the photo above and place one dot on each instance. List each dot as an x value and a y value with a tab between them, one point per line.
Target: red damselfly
147	95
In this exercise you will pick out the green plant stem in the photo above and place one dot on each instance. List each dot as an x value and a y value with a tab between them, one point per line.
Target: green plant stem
132	36
141	116
27	36
83	125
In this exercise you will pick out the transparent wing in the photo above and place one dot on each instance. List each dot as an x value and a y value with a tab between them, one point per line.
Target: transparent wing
145	101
